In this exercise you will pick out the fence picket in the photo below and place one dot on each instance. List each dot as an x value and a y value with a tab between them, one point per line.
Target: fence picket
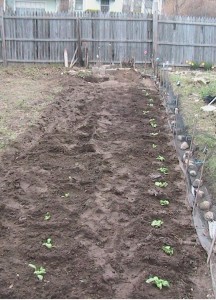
42	37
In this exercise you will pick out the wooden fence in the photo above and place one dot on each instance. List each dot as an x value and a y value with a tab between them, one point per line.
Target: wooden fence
187	38
43	38
109	37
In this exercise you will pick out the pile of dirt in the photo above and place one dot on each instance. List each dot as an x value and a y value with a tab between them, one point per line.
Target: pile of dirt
90	162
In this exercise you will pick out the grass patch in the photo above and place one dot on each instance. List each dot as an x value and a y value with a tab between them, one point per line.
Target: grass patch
25	91
191	94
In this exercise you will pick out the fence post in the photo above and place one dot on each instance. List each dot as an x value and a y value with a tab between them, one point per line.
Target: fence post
155	34
79	46
4	57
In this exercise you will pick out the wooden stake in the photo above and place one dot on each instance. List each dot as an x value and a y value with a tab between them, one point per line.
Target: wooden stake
72	60
134	66
86	57
66	58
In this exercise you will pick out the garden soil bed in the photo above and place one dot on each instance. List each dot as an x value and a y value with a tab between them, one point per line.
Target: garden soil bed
94	145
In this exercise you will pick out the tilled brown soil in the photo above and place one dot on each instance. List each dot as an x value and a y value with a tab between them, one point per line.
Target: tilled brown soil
94	145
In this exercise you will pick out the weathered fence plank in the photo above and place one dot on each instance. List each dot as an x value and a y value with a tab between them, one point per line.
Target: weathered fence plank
114	37
3	45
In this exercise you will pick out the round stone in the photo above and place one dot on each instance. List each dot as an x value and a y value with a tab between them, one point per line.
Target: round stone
187	155
205	205
193	173
209	216
180	138
200	194
197	182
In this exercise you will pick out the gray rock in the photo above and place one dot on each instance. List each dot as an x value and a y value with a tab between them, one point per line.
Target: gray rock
184	146
200	194
193	173
192	167
181	138
187	155
205	205
197	182
209	216
173	123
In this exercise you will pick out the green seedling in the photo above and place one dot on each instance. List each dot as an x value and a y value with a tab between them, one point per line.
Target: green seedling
66	195
48	243
168	249
145	112
156	223
154	146
164	202
154	133
150	104
161	184
153	123
163	170
160	283
147	94
150	100
47	216
38	271
160	158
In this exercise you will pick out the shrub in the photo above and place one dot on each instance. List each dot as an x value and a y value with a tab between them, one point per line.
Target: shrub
193	64
208	90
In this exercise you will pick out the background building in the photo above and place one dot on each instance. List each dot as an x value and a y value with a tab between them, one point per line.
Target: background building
138	6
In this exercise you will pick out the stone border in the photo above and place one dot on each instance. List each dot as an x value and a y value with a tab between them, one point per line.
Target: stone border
202	214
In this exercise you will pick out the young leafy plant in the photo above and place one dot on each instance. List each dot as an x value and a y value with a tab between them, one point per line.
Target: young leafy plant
154	146
145	112
153	123
38	271
168	249
154	133
160	158
150	104
66	195
163	170
156	223
47	216
161	184
164	202
159	282
48	243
